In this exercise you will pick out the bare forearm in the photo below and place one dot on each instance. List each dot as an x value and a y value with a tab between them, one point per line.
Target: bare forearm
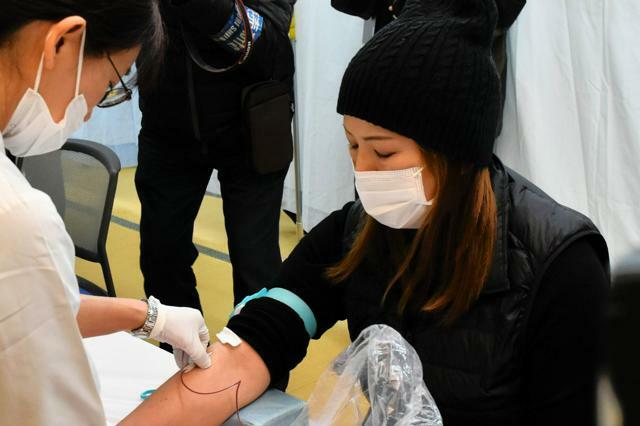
104	315
174	404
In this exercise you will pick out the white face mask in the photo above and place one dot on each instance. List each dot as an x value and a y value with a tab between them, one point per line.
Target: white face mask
394	198
31	129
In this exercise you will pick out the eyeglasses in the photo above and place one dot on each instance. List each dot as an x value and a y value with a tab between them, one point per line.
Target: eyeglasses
115	95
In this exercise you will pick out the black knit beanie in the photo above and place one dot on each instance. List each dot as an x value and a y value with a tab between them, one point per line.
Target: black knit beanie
429	76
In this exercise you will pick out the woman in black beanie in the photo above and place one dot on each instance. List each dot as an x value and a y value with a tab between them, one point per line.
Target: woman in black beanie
496	286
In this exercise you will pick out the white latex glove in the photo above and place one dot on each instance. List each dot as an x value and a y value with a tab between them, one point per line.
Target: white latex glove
185	330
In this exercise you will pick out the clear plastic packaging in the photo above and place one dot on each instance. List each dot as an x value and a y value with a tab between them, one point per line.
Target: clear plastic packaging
376	381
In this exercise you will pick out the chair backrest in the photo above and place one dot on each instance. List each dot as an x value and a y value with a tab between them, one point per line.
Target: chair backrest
81	180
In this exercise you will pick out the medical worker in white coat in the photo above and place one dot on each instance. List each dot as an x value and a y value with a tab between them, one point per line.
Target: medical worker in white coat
58	60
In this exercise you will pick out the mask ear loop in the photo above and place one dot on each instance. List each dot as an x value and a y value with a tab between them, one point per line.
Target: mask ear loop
36	86
80	61
419	172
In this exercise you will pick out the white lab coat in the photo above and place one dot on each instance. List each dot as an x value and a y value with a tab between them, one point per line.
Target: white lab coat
45	376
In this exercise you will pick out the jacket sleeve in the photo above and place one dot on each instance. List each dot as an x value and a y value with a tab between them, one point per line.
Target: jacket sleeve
272	56
562	339
304	271
273	329
365	9
279	12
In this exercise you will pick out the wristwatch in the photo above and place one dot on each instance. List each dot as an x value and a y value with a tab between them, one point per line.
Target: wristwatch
152	316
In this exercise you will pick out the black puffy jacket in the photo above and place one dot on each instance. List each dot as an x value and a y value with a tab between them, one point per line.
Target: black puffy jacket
480	369
486	388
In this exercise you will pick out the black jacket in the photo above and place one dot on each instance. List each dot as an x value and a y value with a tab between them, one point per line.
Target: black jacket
496	366
474	368
200	110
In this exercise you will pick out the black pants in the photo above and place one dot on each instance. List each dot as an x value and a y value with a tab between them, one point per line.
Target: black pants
171	184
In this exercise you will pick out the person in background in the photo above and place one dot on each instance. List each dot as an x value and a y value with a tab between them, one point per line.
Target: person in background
382	11
499	288
191	125
385	11
58	60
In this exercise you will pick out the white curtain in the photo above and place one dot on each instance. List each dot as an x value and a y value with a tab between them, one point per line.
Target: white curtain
116	127
572	114
326	42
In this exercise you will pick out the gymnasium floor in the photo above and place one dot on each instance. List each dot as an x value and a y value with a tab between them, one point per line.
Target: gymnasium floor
212	269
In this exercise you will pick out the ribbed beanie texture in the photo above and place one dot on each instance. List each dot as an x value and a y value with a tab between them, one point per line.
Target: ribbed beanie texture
429	76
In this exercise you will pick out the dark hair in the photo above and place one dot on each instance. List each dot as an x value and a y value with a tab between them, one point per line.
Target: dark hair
112	25
444	265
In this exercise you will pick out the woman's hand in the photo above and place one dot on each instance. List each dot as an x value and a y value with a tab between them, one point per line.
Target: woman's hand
182	328
185	330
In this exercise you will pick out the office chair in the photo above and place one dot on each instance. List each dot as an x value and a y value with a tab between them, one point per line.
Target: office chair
81	180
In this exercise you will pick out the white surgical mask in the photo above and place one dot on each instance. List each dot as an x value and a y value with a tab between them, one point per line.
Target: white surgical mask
394	198
32	130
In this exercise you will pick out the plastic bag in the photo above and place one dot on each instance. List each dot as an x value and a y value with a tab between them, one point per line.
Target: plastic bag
376	381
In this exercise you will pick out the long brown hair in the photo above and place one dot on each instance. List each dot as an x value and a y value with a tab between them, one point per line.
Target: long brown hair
443	266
